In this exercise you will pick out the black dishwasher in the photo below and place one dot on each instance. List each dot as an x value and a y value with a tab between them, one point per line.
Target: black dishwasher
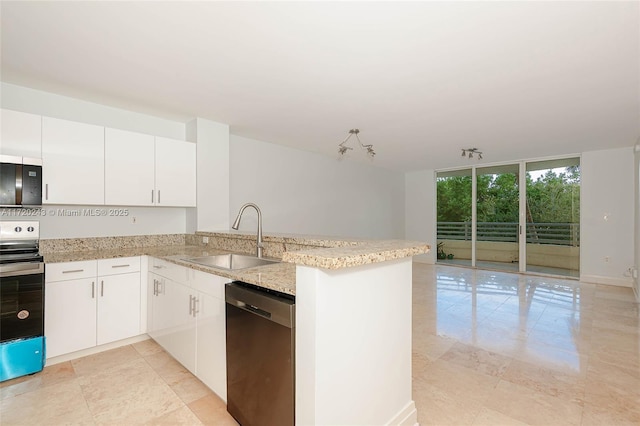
260	355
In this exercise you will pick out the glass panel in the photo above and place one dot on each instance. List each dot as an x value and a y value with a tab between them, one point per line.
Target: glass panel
454	217
553	217
497	217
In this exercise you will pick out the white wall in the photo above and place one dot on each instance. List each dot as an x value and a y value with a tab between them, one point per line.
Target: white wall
606	225
306	193
149	220
420	211
73	222
212	142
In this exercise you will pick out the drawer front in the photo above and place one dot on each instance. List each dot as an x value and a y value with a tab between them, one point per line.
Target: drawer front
71	270
120	265
210	284
169	270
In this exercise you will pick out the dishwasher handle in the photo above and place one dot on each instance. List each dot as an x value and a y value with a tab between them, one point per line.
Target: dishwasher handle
253	309
265	305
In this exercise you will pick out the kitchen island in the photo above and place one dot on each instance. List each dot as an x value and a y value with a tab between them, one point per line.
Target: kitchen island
353	315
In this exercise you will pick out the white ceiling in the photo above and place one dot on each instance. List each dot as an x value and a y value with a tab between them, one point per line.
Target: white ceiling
419	79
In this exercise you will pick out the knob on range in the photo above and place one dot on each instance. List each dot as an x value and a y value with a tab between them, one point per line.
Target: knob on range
17	229
30	229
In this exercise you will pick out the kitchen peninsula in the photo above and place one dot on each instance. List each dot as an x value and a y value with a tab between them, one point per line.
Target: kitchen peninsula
353	313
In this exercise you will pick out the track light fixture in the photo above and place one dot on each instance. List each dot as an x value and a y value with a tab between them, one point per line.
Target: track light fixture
468	152
343	148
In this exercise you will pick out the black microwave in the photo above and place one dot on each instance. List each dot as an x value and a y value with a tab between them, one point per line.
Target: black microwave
20	182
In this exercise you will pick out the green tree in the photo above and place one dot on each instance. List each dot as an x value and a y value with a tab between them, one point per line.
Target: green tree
551	198
454	199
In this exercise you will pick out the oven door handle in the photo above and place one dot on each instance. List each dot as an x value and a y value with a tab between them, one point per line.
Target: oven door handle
16	269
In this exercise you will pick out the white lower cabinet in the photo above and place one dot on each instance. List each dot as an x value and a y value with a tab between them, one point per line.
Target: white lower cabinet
188	320
118	315
91	303
174	326
70	316
211	341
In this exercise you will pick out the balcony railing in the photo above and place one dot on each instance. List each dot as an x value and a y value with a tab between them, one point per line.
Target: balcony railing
565	234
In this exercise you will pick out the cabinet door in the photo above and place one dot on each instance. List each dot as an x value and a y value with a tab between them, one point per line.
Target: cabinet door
70	316
118	307
20	134
72	162
175	325
175	173
152	322
129	168
211	357
160	310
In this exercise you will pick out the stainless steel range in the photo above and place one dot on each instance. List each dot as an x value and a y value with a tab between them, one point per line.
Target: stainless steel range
22	342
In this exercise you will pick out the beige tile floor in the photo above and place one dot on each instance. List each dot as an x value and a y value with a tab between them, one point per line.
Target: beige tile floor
135	384
492	348
489	348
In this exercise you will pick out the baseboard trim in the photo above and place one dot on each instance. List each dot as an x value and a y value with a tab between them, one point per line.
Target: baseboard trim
96	349
597	279
408	416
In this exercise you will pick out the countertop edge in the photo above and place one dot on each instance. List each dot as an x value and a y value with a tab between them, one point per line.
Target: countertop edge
347	257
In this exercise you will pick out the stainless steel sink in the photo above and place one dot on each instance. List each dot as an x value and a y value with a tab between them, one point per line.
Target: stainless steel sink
231	261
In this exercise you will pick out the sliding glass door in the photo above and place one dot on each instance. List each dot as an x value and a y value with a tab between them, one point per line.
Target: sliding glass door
514	217
497	217
454	200
553	217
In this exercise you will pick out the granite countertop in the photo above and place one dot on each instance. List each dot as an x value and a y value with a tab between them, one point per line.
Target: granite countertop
357	255
310	240
337	254
159	252
333	252
279	276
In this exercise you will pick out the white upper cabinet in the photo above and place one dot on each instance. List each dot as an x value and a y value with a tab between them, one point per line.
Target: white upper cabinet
72	162
20	134
175	173
143	170
129	168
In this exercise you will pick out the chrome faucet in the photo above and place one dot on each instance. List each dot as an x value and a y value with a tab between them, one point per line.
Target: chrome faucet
236	224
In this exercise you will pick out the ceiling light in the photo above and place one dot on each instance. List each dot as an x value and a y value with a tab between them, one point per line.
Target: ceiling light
343	148
468	152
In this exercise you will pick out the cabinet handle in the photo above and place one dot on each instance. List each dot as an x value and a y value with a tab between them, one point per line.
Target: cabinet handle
190	305
93	289
158	196
155	287
120	266
196	305
152	196
101	288
72	271
46	191
160	287
157	266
